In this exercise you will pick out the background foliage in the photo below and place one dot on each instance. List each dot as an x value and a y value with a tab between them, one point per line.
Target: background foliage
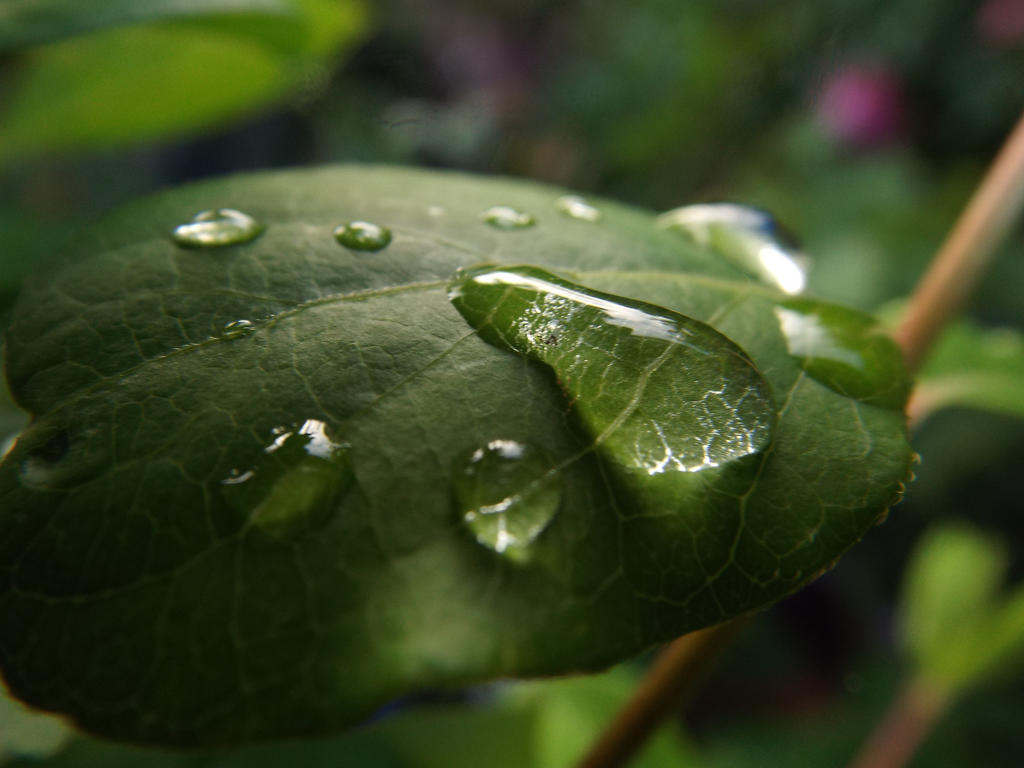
863	124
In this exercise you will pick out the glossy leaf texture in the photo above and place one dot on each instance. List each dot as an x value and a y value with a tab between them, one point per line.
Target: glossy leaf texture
273	481
176	68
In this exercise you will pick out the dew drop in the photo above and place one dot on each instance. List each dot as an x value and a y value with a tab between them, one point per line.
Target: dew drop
747	237
575	207
239	327
846	351
297	483
217	227
505	217
506	494
659	393
363	236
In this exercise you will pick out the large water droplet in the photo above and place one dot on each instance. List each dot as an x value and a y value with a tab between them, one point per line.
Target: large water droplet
575	207
505	217
845	350
657	391
507	493
748	237
296	485
216	228
363	236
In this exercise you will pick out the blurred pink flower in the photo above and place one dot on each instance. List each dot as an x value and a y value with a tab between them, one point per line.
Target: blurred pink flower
1000	23
863	106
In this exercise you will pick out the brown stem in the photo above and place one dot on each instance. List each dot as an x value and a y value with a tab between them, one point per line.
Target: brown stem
909	720
939	296
960	261
672	672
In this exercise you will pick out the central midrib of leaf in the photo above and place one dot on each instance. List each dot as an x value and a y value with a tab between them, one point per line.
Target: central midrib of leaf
739	289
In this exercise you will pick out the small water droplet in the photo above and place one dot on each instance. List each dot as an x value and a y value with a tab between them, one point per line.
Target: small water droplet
363	236
846	351
748	237
507	493
296	485
660	393
239	327
505	217
575	207
217	227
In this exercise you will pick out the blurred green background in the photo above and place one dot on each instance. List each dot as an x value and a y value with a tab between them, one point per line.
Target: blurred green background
862	124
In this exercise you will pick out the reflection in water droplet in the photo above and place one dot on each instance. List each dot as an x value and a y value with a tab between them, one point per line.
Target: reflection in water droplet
748	237
216	228
657	391
846	351
575	207
504	217
239	327
237	476
7	445
363	236
507	493
296	485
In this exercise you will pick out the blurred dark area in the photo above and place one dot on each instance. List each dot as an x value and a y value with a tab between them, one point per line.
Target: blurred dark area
864	125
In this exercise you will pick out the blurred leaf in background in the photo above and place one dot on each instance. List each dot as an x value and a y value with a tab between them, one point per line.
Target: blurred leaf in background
31	22
24	733
177	68
958	629
973	367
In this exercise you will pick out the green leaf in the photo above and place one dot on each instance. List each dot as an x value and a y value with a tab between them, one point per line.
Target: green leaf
972	367
526	725
31	22
950	586
152	81
12	419
957	627
255	499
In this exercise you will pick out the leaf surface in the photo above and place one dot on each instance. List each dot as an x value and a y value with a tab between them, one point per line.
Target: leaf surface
267	487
